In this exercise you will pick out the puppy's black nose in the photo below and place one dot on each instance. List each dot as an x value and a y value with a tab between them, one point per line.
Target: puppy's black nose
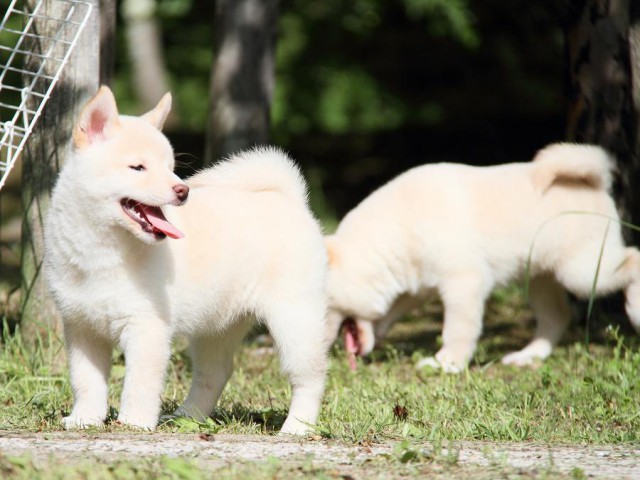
182	191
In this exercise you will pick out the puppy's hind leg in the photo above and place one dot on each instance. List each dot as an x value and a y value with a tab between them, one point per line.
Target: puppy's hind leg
551	309
298	330
619	269
212	359
632	291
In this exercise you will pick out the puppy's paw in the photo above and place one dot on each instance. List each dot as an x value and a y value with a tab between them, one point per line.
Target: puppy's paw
77	421
428	362
521	358
434	363
532	354
142	422
293	426
184	411
167	418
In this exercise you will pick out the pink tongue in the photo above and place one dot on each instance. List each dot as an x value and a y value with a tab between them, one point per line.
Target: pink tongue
350	342
158	220
351	345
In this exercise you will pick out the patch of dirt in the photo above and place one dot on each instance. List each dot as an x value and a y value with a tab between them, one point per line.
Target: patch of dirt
213	451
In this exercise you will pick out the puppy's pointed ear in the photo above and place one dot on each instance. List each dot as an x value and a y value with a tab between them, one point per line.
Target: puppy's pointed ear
330	245
159	114
97	119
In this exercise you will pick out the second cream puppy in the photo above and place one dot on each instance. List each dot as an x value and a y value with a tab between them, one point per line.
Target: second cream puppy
459	231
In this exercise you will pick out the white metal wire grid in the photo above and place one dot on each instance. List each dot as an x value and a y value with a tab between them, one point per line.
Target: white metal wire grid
30	65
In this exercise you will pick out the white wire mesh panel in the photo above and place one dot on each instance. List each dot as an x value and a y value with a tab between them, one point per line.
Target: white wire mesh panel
31	64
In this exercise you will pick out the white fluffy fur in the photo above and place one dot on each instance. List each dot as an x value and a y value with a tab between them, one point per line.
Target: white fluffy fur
459	231
252	250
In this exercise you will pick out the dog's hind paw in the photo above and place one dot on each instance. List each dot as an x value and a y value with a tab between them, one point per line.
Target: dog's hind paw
520	359
184	411
74	422
293	426
142	422
167	418
532	354
432	362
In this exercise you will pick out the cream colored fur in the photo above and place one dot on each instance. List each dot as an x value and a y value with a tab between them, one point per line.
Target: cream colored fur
251	250
459	231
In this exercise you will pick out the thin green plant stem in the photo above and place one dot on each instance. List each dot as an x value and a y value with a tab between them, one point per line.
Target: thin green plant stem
592	295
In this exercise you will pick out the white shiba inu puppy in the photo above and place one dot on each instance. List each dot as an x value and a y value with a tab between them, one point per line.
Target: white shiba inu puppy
459	231
248	248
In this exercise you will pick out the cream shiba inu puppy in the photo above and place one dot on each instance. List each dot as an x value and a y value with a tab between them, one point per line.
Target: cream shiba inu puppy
459	231
244	246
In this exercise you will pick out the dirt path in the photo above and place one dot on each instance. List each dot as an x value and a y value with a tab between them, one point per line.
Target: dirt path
217	450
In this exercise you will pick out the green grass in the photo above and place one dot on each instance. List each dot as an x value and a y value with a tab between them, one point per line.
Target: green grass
161	468
404	462
582	394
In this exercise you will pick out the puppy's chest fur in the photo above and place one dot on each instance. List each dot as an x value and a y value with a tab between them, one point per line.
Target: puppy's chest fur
109	286
101	281
104	298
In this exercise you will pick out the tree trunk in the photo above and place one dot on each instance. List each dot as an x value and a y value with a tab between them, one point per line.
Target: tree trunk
634	48
601	102
242	78
44	153
107	40
600	80
143	32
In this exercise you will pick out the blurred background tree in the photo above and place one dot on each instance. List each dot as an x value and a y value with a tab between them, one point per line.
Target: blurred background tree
242	76
601	107
367	88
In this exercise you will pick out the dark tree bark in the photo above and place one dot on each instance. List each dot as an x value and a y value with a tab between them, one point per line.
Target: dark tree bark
600	91
107	40
603	109
634	47
46	149
242	78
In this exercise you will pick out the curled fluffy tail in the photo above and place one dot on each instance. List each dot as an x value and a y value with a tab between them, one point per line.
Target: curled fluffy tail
257	170
573	163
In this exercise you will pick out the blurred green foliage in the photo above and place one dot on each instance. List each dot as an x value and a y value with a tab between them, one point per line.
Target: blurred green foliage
368	88
366	66
374	65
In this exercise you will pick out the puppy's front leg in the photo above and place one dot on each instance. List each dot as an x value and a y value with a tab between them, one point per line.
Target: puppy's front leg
402	305
147	347
89	364
463	297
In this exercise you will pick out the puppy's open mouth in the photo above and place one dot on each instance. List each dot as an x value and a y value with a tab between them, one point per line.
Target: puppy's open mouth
351	341
150	218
